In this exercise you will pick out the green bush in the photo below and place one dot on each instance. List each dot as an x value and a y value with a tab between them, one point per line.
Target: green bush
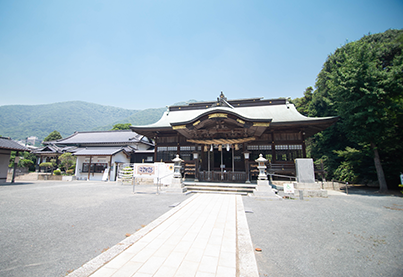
57	172
46	164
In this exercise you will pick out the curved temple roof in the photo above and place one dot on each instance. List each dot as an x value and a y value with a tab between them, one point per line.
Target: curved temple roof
256	111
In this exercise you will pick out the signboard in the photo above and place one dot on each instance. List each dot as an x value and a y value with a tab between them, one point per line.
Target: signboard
288	188
145	169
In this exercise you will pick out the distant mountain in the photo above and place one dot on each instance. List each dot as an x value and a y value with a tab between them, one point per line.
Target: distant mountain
143	117
21	121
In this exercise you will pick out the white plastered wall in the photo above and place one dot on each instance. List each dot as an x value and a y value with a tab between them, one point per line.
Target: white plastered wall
4	160
119	157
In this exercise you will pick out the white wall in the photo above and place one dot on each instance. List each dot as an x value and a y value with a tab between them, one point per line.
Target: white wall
4	160
119	157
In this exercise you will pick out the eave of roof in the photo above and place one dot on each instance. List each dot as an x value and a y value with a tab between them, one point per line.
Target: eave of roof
101	151
9	144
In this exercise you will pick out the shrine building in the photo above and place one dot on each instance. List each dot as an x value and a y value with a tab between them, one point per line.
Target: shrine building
220	140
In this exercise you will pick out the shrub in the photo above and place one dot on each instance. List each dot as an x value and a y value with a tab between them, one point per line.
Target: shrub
46	164
57	172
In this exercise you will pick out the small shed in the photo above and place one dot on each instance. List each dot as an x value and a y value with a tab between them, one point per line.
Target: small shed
6	146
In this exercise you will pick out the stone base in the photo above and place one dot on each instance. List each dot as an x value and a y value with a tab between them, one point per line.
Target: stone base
176	186
307	186
68	178
263	189
309	190
312	193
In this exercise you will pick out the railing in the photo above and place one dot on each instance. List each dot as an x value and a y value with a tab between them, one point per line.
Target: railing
218	176
281	167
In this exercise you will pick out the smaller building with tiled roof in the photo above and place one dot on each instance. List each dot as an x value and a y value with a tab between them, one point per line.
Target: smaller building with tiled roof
98	152
6	146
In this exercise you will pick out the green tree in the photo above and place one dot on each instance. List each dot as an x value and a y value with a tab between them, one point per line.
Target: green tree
302	104
67	160
55	135
121	126
362	83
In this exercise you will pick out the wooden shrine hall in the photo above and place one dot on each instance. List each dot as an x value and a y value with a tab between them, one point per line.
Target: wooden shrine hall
220	140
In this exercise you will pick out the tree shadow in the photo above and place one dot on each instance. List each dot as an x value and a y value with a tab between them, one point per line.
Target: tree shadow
15	184
370	191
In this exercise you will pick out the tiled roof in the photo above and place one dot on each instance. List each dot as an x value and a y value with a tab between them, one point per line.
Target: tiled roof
277	113
50	148
101	151
7	143
100	137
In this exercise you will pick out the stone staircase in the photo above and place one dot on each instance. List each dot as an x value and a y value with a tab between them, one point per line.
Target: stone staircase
226	188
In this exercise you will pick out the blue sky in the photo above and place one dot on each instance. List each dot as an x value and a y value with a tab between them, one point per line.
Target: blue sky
148	54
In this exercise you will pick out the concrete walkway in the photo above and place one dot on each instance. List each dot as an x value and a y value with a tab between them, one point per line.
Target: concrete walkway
206	235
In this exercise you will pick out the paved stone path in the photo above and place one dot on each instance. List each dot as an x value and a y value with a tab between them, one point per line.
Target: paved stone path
206	235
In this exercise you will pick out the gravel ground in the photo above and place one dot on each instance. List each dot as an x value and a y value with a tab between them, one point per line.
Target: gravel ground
359	234
50	228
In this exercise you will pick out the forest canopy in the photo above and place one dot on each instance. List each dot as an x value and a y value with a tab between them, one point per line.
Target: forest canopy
362	83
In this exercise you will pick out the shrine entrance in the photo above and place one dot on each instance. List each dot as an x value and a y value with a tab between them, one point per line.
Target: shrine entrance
222	162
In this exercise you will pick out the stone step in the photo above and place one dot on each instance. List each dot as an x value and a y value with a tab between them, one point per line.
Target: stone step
218	188
217	191
224	185
229	188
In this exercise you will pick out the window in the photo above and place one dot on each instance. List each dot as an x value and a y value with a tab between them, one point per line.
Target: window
288	152
166	153
256	150
95	167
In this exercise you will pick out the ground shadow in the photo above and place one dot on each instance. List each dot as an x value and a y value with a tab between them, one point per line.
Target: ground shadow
15	184
370	191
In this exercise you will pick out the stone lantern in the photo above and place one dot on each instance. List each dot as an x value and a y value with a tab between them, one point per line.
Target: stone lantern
261	165
263	188
177	167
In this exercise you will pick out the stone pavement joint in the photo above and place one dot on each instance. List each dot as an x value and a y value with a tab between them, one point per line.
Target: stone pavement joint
206	235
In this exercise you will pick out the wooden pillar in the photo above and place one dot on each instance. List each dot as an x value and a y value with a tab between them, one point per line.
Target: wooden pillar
303	145
89	168
155	148
273	148
109	168
15	166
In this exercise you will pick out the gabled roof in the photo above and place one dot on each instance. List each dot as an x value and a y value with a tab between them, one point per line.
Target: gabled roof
9	144
49	149
101	137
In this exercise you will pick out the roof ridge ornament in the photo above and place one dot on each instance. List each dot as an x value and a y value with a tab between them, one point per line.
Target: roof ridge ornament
222	101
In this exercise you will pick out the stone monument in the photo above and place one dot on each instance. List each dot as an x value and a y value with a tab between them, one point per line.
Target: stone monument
306	178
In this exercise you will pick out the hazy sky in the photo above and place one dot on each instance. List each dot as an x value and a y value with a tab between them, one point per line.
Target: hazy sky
146	54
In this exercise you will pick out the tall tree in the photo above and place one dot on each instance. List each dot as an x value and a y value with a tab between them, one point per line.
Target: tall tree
121	126
362	82
55	135
302	104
